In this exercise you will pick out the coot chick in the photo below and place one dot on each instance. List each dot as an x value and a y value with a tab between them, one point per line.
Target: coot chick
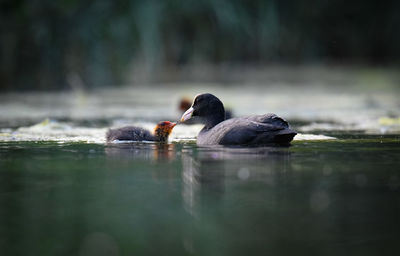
133	133
247	130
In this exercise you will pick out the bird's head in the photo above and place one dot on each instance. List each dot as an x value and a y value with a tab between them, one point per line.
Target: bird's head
163	130
206	106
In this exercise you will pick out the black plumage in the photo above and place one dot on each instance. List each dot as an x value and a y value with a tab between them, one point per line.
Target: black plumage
132	133
247	130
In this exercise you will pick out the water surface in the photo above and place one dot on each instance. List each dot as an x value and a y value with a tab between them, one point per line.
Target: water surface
314	198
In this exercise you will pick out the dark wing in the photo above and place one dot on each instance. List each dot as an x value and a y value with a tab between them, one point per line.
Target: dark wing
246	131
270	118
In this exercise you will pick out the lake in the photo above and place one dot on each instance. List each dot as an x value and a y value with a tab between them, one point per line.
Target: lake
321	198
334	191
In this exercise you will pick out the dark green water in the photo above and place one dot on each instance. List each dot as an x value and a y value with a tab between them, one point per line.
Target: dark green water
337	197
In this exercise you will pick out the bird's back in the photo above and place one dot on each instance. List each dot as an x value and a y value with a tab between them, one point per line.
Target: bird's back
131	133
269	118
248	130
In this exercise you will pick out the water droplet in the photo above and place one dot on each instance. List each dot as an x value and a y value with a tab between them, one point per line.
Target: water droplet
243	173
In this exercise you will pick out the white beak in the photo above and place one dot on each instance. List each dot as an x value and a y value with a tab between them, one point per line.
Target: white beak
187	115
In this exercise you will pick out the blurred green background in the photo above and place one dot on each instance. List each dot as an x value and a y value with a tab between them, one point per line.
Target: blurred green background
51	45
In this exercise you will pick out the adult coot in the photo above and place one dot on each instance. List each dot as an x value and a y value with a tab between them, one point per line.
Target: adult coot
133	133
247	130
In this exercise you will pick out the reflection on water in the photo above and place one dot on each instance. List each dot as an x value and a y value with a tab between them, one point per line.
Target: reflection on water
333	197
141	151
208	169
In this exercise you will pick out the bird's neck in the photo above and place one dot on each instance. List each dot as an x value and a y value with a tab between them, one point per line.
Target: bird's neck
214	119
160	136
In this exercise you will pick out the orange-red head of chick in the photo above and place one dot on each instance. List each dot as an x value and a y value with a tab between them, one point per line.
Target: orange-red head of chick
163	130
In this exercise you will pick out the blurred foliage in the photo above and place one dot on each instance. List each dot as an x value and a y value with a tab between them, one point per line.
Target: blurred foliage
47	44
